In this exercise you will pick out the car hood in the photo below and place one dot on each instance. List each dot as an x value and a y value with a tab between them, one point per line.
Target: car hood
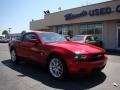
91	42
75	47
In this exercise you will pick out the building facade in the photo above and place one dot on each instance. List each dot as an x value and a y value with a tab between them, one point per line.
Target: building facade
101	20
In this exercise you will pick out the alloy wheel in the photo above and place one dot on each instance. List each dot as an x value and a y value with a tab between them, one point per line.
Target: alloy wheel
13	56
56	67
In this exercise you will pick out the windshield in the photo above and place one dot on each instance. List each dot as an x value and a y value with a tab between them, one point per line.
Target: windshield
51	37
77	38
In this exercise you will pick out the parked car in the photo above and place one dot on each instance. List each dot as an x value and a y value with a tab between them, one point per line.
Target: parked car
60	56
3	39
87	39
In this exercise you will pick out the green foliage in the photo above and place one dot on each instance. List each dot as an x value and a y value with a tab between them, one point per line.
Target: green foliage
5	32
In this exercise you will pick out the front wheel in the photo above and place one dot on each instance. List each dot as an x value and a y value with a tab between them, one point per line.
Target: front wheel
14	57
57	68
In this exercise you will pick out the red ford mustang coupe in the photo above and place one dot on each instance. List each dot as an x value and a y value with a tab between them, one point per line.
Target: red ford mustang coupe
59	55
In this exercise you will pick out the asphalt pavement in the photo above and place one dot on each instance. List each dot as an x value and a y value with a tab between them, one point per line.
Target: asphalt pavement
31	77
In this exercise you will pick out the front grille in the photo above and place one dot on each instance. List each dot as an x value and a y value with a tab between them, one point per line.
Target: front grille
96	57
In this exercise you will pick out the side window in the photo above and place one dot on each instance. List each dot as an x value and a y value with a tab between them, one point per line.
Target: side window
27	37
90	38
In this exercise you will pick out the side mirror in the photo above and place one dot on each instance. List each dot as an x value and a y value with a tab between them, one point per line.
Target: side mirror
34	41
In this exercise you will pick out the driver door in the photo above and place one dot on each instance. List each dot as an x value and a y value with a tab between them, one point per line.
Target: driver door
24	46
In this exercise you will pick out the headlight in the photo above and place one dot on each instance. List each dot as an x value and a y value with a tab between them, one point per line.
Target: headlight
80	57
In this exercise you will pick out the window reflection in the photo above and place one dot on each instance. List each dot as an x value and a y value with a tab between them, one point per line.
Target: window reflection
65	30
92	29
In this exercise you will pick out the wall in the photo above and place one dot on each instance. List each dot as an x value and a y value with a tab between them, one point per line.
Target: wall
109	34
58	18
38	24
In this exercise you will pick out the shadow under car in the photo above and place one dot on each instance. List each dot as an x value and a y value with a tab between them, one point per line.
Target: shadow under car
72	83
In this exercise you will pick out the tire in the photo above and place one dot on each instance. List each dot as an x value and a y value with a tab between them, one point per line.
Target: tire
57	68
14	57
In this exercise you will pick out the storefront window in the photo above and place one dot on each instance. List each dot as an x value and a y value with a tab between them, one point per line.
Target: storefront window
83	29
65	30
91	29
98	28
59	30
98	31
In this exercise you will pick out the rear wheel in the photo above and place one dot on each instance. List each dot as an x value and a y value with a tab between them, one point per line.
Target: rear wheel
14	57
57	67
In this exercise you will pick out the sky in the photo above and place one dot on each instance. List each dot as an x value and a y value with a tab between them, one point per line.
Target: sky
16	14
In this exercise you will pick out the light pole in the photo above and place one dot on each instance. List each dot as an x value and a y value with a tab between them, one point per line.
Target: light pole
9	29
9	32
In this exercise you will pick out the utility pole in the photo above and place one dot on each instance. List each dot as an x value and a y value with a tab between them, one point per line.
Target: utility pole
9	30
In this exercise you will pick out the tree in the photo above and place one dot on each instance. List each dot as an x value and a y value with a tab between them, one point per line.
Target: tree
5	32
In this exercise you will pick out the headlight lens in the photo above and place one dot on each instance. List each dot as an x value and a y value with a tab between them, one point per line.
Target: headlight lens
80	57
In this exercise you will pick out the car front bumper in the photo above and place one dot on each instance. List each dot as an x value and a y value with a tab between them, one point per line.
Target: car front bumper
79	67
